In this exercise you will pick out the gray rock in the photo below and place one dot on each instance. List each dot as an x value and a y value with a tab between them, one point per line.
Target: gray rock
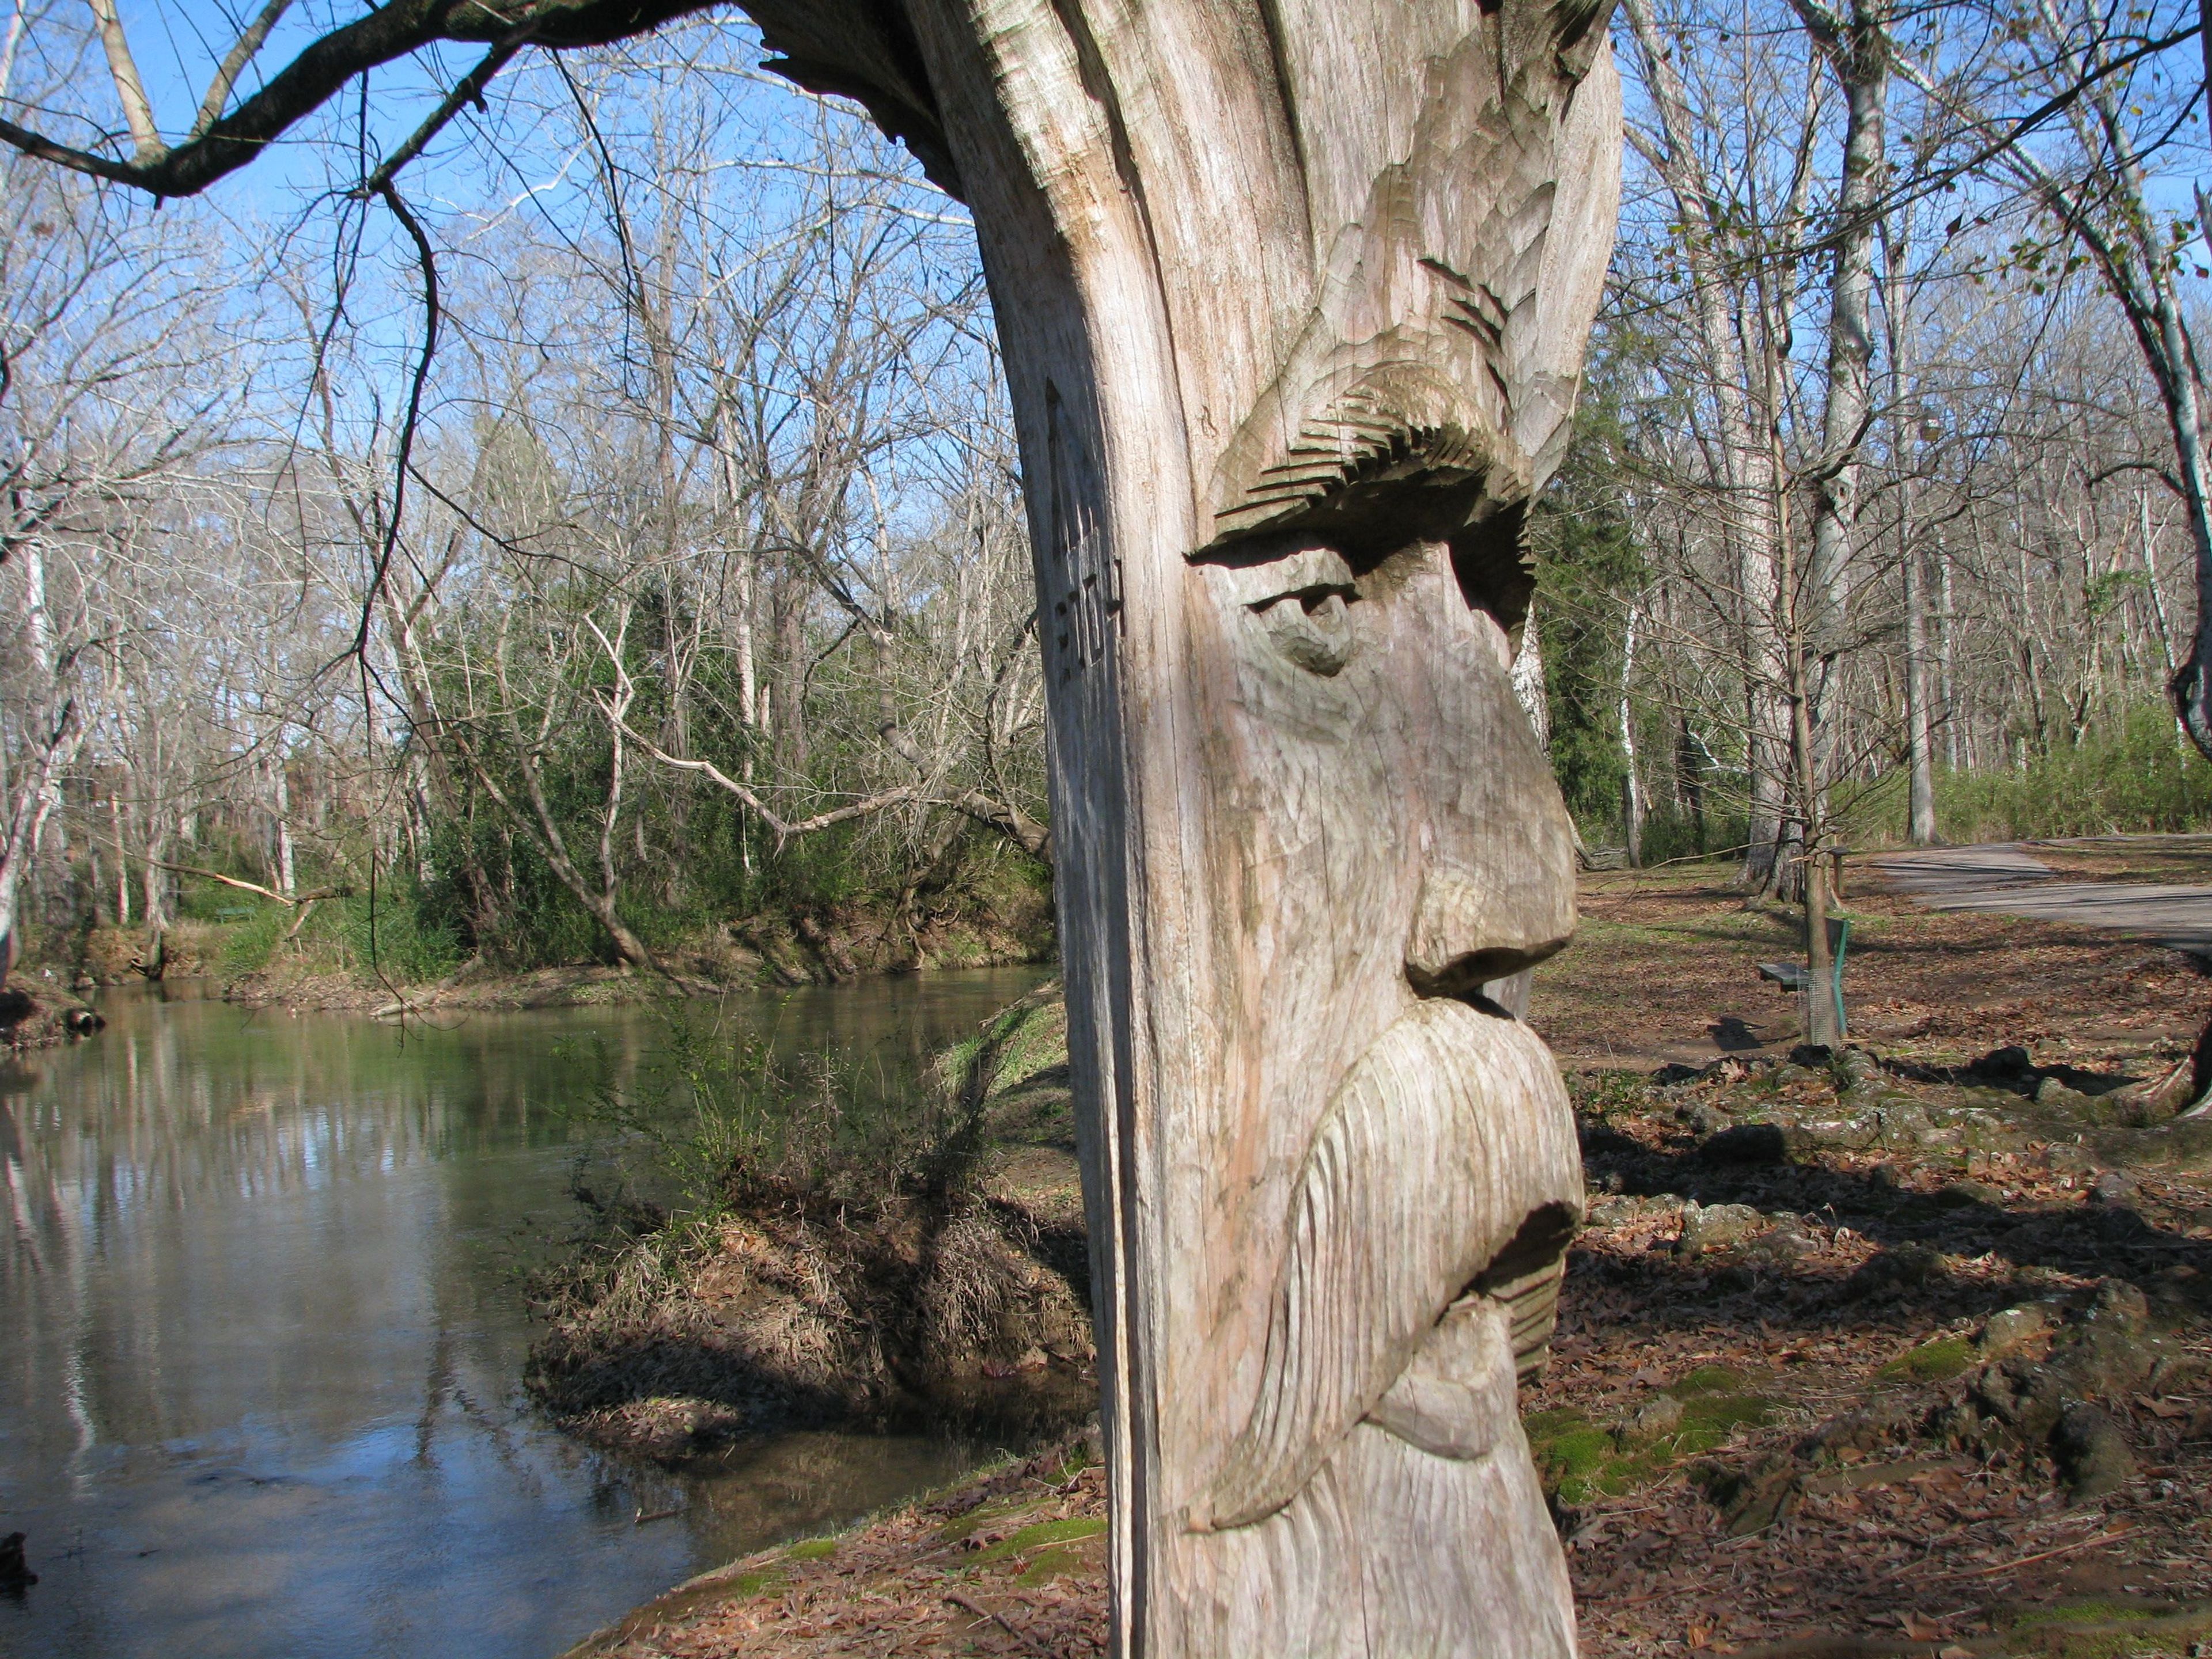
1890	1272
2114	1187
1659	1415
1961	1195
1856	1069
2053	1095
2065	1159
2094	1457
1611	1213
1786	1246
1747	1143
2107	1352
1705	1120
2025	1398
2015	1329
1715	1227
1905	1123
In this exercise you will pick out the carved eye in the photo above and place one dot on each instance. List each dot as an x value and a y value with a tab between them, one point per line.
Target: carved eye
1312	627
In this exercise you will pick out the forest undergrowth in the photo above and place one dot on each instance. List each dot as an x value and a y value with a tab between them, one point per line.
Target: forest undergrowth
356	950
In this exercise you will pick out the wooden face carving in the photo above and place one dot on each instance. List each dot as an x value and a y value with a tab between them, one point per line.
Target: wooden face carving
1372	1249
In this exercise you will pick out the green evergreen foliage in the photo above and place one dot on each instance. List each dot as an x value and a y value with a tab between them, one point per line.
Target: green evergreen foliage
1588	568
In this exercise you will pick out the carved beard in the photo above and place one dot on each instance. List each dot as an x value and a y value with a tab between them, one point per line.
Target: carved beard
1426	1227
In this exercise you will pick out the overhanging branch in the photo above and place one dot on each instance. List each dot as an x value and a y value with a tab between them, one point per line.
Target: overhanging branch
220	145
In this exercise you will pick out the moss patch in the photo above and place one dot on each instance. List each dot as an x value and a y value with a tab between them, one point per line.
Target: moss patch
812	1549
1042	1533
2103	1628
1059	1562
1706	1379
2081	1612
962	1528
1933	1361
1579	1460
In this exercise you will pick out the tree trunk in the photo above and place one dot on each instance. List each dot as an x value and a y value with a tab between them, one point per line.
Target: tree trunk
1528	681
1920	748
2192	682
1957	751
1919	745
1285	382
122	864
281	787
1751	481
1821	1022
2159	622
1856	50
1631	794
15	844
1690	774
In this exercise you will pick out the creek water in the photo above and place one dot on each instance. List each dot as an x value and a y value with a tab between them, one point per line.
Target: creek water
261	1329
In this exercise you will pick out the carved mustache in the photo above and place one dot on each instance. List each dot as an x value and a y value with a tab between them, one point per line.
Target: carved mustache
1445	1165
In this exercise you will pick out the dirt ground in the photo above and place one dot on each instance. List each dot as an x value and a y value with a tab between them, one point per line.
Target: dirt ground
2182	859
1899	1350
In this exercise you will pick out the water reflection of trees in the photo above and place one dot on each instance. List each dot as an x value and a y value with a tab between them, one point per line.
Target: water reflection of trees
213	1212
211	1208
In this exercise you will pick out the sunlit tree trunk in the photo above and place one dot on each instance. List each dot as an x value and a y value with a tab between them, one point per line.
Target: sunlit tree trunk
1856	49
1751	481
1632	790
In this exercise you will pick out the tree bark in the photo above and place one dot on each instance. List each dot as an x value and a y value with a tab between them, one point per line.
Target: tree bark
1919	744
1528	681
1632	792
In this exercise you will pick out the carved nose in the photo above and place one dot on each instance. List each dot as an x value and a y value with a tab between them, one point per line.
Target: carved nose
1472	927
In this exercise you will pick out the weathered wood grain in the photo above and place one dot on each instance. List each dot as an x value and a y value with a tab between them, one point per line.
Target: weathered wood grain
1293	296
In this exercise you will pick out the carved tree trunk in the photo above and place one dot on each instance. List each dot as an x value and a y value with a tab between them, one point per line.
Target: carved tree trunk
1293	299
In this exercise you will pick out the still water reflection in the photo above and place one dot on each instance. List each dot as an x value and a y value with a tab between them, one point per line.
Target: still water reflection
260	1333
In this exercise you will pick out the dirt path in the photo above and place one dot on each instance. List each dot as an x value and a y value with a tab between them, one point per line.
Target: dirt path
2008	879
1665	968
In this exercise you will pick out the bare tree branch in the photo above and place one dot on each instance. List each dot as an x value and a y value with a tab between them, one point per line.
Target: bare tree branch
325	64
145	136
343	890
234	63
